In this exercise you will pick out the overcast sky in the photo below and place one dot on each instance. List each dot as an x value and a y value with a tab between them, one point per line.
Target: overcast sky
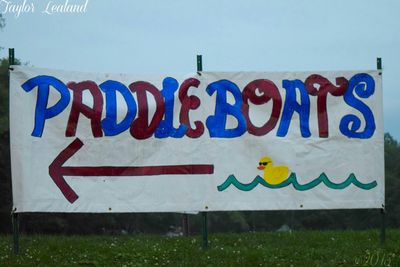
164	37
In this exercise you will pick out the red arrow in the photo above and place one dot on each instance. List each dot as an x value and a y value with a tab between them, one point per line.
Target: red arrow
57	171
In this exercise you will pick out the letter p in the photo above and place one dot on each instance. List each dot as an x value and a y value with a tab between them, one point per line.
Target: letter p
42	112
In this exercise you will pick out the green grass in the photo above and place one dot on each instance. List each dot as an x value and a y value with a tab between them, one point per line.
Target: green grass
300	248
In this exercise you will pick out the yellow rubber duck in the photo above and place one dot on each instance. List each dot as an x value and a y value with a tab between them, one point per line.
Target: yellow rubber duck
273	175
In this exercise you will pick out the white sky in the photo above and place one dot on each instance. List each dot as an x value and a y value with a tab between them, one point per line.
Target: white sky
164	37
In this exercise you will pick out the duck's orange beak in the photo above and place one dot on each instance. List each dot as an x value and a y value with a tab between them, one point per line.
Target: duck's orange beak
261	168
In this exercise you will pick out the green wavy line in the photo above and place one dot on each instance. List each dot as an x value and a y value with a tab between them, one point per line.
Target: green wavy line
292	179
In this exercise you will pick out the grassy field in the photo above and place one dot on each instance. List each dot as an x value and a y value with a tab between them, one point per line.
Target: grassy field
300	248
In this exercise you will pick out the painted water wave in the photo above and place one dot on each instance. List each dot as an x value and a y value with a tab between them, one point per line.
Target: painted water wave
292	179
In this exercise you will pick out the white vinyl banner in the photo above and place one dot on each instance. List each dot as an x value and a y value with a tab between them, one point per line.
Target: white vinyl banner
208	141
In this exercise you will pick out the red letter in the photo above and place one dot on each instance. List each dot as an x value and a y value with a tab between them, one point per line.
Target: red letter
325	87
269	91
188	103
94	114
140	128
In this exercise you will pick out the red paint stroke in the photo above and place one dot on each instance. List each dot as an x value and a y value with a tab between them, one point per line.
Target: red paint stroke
141	128
78	107
57	171
325	87
269	92
191	102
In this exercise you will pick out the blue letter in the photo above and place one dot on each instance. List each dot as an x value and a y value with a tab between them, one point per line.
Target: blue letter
291	106
109	123
364	86
165	128
217	124
42	112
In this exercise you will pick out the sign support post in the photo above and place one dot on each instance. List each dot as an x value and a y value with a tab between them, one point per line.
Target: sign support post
382	210
185	222
14	215
204	213
383	228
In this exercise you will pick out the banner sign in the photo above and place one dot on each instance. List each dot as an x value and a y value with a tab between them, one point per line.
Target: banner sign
208	141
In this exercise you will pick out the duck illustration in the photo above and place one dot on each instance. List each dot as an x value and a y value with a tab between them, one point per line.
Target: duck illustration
273	174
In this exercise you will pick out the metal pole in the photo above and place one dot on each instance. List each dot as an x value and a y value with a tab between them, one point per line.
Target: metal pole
15	229
14	215
11	58
204	213
383	228
383	211
379	63
185	222
199	63
205	230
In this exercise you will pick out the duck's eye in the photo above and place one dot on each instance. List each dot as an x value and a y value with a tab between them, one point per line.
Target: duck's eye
263	163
